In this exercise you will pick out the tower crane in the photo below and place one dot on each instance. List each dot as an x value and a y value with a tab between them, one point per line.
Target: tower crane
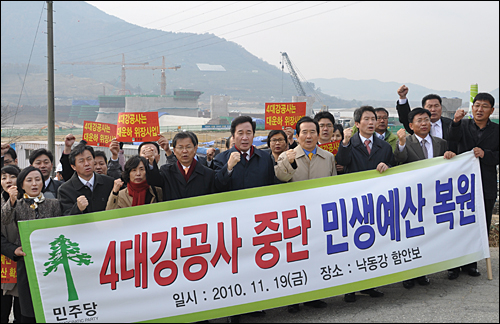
163	83
123	90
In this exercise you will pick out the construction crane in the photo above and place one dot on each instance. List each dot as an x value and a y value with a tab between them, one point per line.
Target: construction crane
296	80
163	83
123	90
294	76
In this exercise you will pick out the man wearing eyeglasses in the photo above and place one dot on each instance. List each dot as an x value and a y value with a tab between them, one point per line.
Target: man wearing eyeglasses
186	177
419	146
9	156
325	121
432	102
381	130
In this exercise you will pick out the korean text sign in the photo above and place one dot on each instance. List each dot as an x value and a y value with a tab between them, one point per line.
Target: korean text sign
332	147
9	270
285	114
98	134
258	248
138	127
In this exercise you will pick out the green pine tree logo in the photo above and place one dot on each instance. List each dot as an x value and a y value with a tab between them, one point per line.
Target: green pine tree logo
63	251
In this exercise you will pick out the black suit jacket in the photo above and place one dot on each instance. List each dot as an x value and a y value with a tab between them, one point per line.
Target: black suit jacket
489	143
52	188
73	188
355	156
201	182
413	150
404	110
257	172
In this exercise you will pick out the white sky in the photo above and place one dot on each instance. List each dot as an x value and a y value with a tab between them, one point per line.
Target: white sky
440	45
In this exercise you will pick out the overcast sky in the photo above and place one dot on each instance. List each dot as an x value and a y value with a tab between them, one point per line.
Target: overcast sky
439	45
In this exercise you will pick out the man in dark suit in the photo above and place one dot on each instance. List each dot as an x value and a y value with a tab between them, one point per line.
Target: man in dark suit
86	191
243	166
480	135
411	148
44	160
432	102
419	146
186	177
353	152
364	152
172	159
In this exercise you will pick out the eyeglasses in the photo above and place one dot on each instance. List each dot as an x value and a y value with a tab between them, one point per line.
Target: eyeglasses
484	106
420	120
275	140
182	148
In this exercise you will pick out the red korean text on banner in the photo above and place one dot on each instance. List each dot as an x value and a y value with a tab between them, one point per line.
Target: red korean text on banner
98	134
138	127
9	272
285	114
332	147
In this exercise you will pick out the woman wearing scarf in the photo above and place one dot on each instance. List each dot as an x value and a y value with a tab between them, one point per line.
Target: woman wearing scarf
138	192
26	202
9	289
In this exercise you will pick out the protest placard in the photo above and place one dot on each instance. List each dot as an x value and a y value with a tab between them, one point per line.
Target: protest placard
257	248
9	270
332	147
138	127
285	114
98	134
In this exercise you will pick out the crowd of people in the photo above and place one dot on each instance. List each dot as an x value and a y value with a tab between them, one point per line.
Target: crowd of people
88	182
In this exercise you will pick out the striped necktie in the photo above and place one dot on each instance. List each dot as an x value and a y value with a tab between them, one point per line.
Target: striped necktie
367	144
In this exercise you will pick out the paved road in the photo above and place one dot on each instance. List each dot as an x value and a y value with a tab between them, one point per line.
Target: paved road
466	299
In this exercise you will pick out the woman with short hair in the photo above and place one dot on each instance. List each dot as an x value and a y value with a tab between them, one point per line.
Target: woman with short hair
26	202
10	294
138	191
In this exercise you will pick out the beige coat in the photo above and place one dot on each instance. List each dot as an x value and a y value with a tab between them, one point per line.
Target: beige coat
321	165
123	199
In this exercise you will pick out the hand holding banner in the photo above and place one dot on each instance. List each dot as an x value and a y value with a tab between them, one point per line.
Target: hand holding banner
281	115
138	127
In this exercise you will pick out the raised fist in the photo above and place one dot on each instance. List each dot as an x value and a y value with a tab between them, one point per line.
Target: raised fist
402	91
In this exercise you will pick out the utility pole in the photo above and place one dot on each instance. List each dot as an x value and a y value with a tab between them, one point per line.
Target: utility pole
50	80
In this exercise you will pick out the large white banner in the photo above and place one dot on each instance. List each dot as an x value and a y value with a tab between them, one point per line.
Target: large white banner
260	248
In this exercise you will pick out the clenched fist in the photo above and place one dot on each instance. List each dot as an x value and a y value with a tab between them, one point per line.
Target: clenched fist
290	154
163	142
347	135
459	114
234	158
13	195
114	148
210	154
117	185
402	91
402	136
82	202
69	140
